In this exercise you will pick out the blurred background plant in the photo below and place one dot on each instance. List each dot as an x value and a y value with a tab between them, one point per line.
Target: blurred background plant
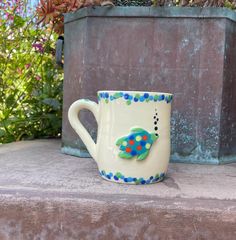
30	82
50	12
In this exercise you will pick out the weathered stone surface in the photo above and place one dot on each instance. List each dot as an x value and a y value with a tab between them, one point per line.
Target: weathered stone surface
158	49
47	195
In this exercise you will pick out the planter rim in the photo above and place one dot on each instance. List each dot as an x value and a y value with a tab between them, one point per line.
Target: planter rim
151	12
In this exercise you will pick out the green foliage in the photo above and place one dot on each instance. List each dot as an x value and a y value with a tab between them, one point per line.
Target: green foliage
30	83
231	5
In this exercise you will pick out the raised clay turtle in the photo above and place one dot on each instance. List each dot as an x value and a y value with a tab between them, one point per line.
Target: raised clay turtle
137	143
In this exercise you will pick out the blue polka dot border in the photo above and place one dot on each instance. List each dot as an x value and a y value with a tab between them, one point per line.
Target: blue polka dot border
119	177
136	97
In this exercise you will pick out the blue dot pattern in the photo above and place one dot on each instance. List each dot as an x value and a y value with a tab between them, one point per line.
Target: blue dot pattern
133	153
131	137
135	144
126	96
119	177
142	143
136	97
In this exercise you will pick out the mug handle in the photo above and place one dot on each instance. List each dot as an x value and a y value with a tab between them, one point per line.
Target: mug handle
78	126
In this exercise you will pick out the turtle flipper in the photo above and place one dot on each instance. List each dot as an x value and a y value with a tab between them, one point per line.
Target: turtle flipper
125	155
154	137
136	129
143	155
120	140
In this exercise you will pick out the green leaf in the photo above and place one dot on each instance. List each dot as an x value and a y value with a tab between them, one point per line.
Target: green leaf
2	133
119	175
157	175
52	102
117	95
19	21
138	181
10	100
156	97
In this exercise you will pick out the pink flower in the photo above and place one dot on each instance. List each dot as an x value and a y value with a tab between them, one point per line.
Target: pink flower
9	16
19	71
28	65
38	77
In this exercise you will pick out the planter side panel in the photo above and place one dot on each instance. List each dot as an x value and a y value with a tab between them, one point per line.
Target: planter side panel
76	86
209	91
190	63
228	111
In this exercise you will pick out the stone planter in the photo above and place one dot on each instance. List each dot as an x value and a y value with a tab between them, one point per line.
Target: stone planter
187	51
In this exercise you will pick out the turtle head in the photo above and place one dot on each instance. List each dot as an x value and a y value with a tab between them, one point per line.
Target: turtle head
154	136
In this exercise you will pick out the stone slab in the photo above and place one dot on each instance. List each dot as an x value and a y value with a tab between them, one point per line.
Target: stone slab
45	194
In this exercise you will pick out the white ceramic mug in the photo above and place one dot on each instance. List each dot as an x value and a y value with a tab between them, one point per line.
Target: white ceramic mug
133	140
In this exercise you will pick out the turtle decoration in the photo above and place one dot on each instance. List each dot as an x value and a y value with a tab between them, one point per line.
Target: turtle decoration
137	143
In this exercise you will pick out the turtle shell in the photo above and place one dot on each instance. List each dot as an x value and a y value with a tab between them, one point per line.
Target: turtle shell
137	143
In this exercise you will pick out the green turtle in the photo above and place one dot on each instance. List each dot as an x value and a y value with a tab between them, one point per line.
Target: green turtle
137	143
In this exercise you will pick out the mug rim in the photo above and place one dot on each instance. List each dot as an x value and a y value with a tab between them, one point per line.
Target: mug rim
133	92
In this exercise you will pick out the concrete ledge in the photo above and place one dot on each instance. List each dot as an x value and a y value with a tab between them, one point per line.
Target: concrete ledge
159	12
45	194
